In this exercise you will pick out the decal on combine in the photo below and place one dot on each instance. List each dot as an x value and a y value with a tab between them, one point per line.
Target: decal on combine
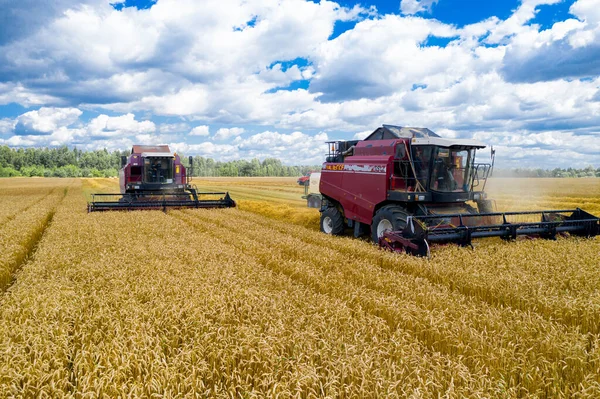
356	168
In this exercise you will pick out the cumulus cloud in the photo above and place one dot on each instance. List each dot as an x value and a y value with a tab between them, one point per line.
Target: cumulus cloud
228	133
275	68
202	130
173	128
411	7
362	135
222	152
104	126
389	54
23	17
569	49
46	120
292	148
15	92
7	126
175	55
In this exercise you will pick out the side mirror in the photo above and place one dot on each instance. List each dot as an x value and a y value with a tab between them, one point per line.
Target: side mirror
191	172
123	161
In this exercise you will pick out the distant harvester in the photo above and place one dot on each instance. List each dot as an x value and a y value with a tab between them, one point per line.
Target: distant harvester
153	177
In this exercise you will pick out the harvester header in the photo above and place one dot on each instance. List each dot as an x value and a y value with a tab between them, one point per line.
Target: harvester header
153	177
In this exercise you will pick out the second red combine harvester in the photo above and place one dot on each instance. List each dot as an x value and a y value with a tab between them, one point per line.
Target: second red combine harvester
410	187
153	177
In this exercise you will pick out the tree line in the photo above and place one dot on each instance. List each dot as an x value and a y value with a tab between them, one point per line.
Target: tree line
65	162
556	172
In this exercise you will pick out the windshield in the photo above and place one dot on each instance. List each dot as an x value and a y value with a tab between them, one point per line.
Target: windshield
158	170
451	168
421	156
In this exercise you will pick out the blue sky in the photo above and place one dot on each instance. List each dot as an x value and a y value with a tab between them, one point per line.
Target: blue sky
232	79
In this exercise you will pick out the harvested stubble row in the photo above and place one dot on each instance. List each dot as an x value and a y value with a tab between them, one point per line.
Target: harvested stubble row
14	200
556	279
518	349
226	303
177	312
20	233
301	216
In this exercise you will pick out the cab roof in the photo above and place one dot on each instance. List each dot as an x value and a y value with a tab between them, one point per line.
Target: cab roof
138	149
420	136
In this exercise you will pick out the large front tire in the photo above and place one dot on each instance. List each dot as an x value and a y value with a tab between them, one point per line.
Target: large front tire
388	218
332	221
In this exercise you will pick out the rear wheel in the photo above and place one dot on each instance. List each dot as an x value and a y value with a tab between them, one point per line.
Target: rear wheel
388	218
332	221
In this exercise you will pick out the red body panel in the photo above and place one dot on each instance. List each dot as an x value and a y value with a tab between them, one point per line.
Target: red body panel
359	184
362	181
377	147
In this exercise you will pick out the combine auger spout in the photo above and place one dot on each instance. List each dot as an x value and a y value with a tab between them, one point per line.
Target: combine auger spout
420	231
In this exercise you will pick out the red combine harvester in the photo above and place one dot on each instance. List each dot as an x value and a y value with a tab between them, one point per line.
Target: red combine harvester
153	177
304	180
409	187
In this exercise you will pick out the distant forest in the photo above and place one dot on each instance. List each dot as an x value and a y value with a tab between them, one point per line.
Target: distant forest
65	162
557	172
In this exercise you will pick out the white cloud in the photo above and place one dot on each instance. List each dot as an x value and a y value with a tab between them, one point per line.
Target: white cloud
12	92
7	126
46	120
156	59
227	133
292	148
173	128
401	61
586	10
221	152
516	24
362	135
104	126
225	62
202	130
411	7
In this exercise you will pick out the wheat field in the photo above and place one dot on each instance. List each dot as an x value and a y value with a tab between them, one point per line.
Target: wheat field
255	302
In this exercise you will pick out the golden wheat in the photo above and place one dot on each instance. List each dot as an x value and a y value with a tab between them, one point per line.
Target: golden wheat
255	302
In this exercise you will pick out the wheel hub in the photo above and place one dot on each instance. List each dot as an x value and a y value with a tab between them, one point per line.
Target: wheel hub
327	225
383	226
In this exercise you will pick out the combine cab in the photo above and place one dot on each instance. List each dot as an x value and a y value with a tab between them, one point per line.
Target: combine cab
154	178
409	187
